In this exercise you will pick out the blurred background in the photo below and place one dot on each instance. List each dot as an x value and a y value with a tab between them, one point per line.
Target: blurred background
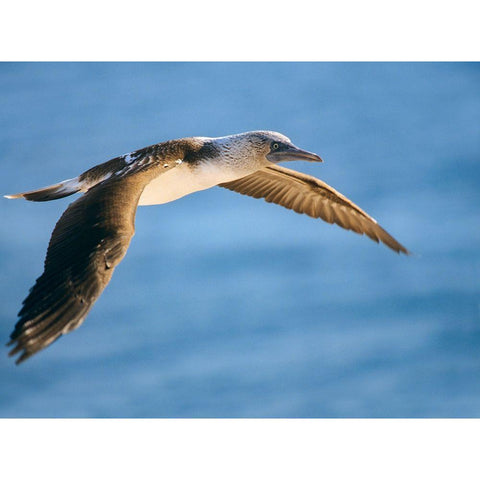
226	306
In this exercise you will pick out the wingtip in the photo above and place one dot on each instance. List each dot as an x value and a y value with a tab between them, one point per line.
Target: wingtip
404	250
13	196
401	250
14	350
22	358
17	349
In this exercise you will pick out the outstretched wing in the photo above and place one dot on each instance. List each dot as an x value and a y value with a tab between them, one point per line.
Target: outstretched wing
88	242
306	194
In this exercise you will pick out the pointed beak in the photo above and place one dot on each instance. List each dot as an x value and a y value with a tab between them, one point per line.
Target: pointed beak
293	153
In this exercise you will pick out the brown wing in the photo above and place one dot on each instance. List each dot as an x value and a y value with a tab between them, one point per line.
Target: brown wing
88	242
306	194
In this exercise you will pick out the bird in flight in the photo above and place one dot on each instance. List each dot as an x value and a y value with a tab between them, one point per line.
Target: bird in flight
93	234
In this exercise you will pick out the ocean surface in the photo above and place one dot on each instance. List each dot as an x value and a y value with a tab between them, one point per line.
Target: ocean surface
226	306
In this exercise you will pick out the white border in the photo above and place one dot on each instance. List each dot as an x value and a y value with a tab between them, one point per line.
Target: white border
240	449
247	30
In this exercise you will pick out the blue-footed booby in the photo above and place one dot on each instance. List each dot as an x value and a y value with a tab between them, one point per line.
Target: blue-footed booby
93	234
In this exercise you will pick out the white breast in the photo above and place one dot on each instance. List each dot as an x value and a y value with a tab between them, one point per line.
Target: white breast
184	179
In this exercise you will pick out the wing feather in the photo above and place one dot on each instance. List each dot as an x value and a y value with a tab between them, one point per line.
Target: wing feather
88	242
306	194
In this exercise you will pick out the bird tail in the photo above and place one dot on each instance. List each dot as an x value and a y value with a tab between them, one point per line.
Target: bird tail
82	183
52	192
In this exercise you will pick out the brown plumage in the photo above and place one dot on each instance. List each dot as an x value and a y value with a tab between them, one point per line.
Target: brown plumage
94	233
87	243
306	194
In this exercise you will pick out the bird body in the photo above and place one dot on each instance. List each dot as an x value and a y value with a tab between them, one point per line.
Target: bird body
188	178
94	233
218	160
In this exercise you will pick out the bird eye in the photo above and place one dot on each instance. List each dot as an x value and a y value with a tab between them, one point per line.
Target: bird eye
275	146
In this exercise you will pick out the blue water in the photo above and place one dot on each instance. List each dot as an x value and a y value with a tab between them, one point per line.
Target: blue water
226	306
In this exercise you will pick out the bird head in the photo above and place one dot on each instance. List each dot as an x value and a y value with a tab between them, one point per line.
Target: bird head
251	148
275	147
